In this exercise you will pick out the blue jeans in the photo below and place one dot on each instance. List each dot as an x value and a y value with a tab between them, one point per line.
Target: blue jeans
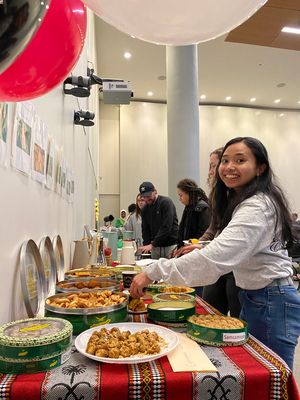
273	317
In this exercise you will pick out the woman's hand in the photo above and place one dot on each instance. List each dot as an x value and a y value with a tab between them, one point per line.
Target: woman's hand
139	282
187	249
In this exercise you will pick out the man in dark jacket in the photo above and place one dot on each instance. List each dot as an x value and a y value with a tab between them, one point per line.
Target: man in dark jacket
159	223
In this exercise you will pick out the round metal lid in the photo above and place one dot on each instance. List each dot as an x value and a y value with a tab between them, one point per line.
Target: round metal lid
49	263
59	257
32	278
35	332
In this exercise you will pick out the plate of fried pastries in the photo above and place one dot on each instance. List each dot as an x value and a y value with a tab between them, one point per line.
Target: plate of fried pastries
126	342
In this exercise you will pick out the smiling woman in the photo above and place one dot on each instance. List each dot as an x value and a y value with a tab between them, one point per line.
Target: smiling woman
252	217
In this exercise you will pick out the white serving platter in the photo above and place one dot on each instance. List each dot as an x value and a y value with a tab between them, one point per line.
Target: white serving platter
169	336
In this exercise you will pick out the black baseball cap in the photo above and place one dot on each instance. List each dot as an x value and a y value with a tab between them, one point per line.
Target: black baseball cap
146	189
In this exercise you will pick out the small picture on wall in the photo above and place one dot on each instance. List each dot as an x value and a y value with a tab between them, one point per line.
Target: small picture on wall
3	133
3	121
39	159
49	165
23	136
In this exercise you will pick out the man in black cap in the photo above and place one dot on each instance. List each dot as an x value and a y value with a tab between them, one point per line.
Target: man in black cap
159	223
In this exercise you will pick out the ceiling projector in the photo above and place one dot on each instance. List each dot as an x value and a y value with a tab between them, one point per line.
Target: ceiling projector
116	92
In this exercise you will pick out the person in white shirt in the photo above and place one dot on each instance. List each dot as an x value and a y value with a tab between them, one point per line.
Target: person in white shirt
252	217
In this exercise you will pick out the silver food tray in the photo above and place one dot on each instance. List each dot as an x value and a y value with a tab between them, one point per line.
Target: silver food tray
33	282
49	263
59	257
84	311
105	284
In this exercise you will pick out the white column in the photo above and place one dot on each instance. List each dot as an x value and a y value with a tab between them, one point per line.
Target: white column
182	116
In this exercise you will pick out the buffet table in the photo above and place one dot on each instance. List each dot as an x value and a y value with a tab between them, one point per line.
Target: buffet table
247	372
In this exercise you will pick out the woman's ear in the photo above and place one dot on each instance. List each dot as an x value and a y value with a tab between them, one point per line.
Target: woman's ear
261	169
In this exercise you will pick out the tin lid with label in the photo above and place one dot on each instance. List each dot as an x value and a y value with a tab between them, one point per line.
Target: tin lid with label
32	278
34	332
49	264
59	257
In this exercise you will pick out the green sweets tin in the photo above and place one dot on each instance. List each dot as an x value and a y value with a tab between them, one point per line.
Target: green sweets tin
12	366
173	297
87	285
224	331
89	317
171	311
155	288
178	290
34	337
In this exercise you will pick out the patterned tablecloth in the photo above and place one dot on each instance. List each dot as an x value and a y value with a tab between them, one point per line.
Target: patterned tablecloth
250	372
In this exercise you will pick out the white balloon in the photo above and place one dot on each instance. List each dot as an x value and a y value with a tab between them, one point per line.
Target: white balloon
175	22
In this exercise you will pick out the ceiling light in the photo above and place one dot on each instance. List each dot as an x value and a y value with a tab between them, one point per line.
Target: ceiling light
281	115
203	97
228	98
277	101
289	29
127	55
150	93
253	99
299	102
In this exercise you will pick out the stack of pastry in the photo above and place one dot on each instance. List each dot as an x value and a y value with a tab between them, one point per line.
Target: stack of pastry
136	305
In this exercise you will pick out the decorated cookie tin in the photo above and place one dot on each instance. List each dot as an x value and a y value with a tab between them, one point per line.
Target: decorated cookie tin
85	318
171	311
177	290
225	336
38	364
89	273
87	285
173	297
155	288
34	338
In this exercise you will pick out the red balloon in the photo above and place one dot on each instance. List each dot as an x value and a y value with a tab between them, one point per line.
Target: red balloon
50	55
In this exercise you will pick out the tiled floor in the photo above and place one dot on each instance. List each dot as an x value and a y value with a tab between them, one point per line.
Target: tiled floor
296	371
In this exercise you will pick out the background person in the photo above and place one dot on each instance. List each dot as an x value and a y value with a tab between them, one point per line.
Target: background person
196	215
159	223
134	221
223	294
120	221
252	214
131	209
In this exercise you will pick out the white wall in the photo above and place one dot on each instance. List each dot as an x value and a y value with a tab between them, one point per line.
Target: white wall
31	211
143	144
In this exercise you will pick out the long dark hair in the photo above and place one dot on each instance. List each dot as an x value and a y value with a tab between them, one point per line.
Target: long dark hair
191	188
225	200
138	210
